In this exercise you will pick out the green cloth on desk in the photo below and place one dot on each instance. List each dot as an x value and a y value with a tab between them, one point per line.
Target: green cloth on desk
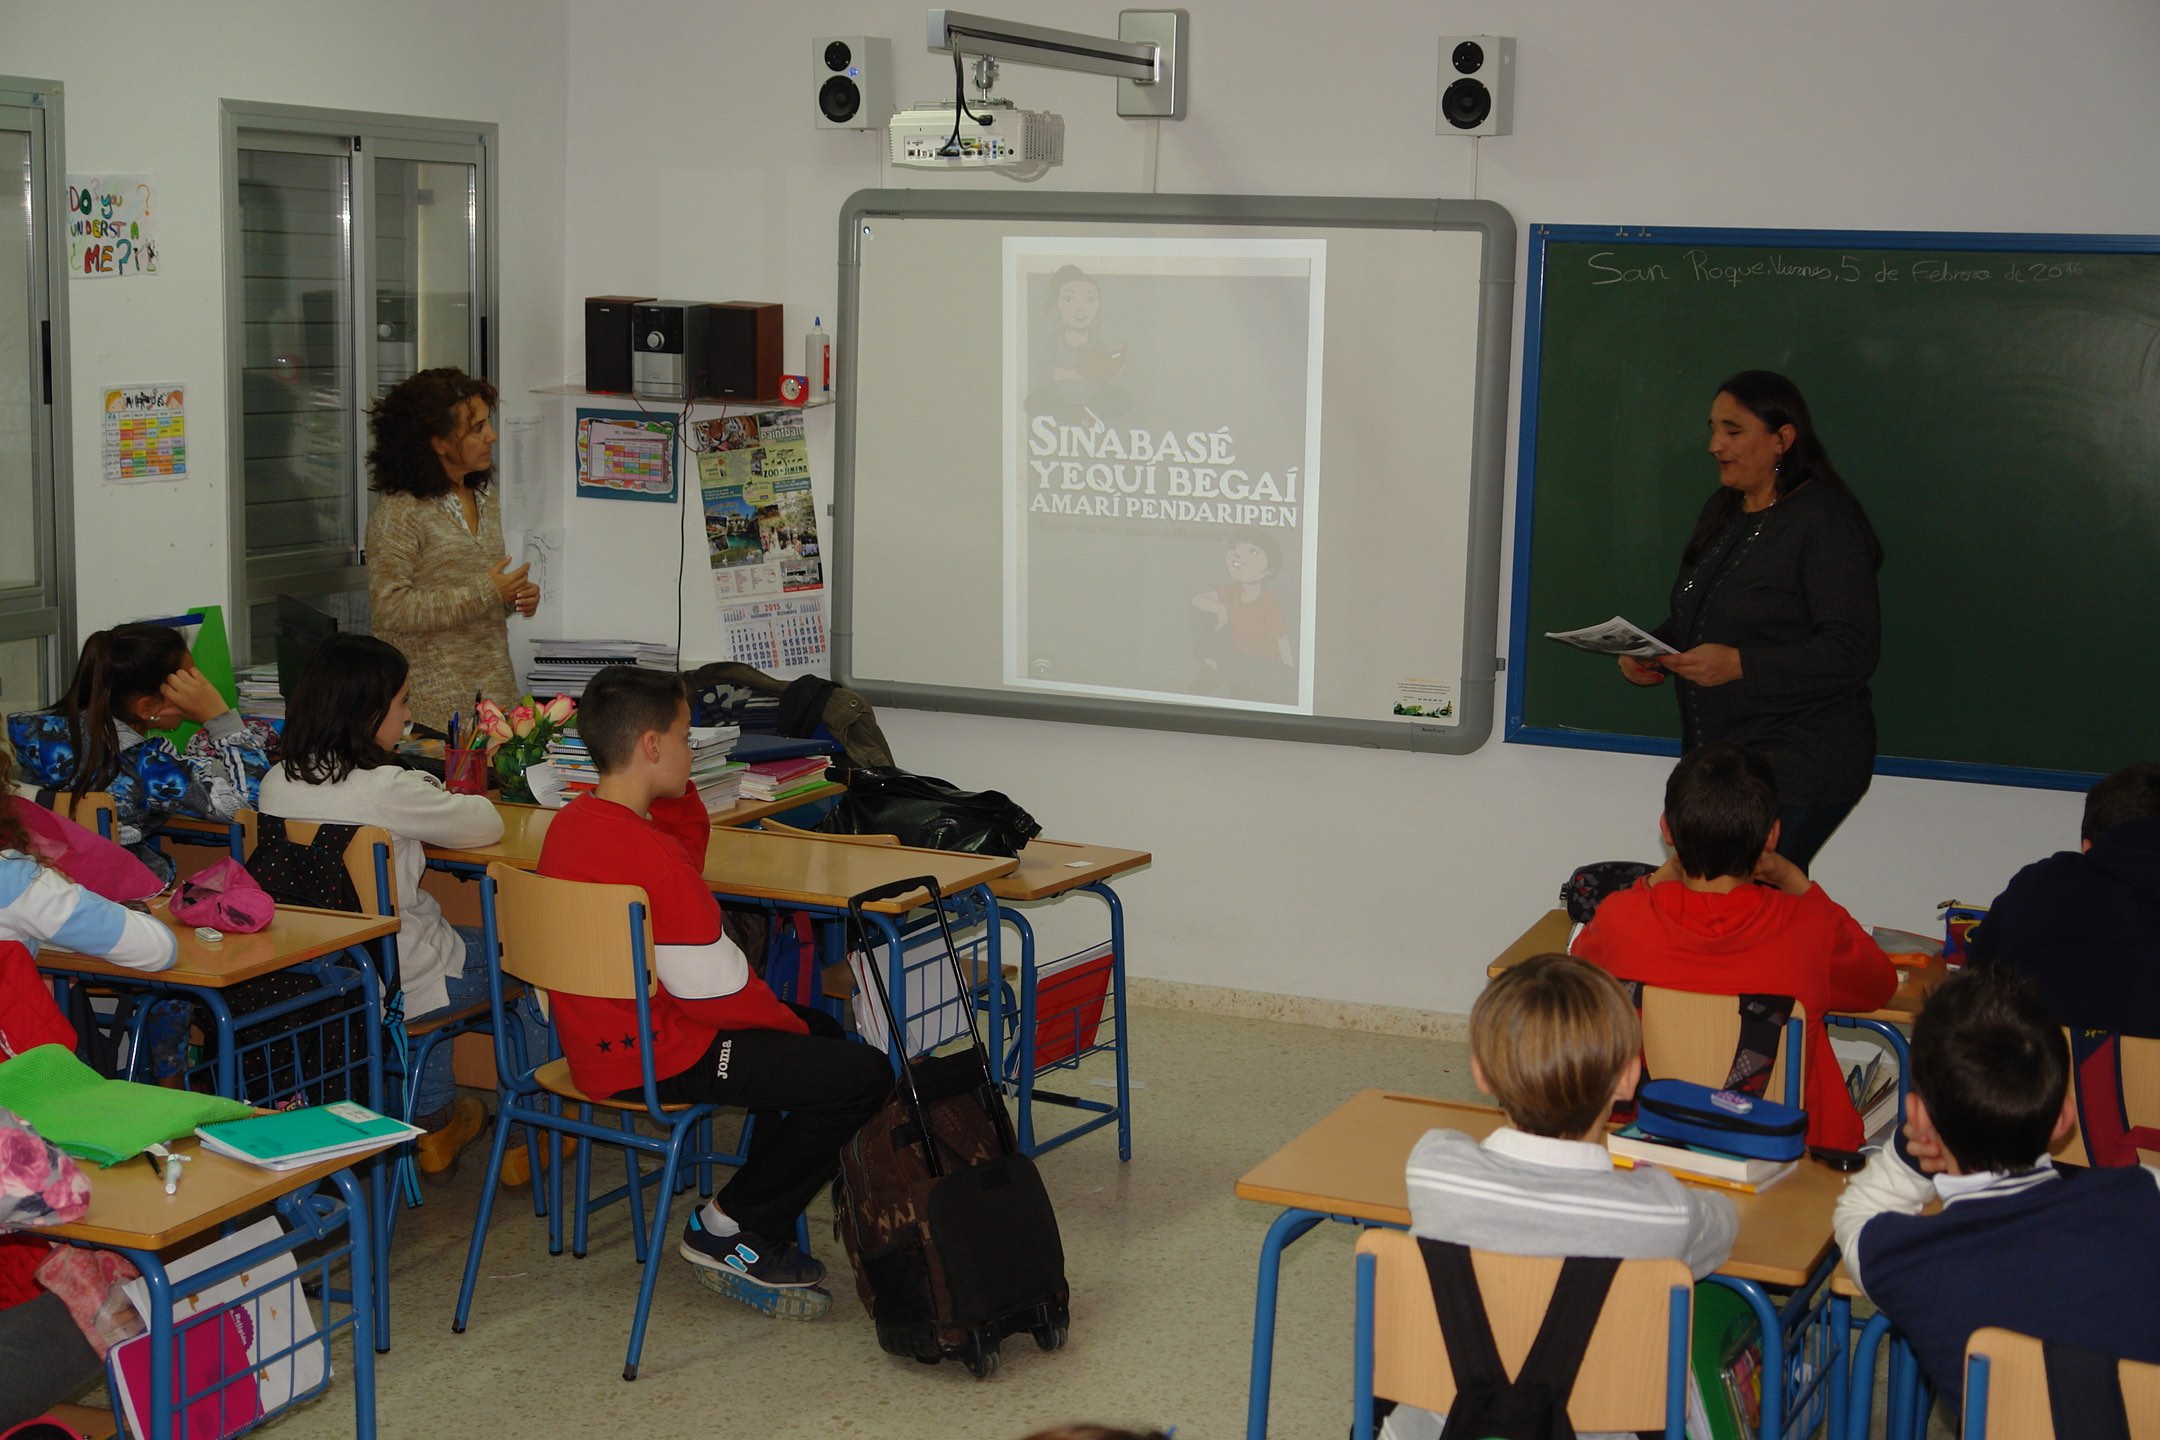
93	1118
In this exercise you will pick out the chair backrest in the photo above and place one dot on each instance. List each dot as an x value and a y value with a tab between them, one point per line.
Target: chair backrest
570	935
2006	1390
1691	1036
2140	1062
367	858
1633	1357
93	810
768	823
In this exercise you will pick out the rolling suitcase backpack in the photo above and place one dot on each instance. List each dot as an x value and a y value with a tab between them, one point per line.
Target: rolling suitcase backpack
950	1231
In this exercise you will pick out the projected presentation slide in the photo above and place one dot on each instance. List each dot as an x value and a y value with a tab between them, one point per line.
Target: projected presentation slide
1162	476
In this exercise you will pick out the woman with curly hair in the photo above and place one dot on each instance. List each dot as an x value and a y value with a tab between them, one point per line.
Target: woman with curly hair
440	586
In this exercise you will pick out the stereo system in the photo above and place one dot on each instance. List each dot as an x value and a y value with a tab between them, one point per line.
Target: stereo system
682	349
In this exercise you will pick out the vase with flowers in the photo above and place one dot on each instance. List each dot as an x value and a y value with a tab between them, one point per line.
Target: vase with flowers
518	737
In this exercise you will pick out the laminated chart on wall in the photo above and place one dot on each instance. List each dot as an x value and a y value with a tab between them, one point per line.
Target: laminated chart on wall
145	433
761	537
622	455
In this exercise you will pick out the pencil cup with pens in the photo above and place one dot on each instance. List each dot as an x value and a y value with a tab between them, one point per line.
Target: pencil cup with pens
465	767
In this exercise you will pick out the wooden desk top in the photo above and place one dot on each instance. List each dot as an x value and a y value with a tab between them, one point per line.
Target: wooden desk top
1351	1163
797	869
1052	867
1550	933
297	934
129	1206
526	826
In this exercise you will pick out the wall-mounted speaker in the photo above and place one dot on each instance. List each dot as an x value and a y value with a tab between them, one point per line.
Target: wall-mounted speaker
1477	85
851	76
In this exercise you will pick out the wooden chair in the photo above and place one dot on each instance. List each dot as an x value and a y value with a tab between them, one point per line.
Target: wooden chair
367	858
93	809
1633	1377
595	940
2006	1390
2140	1062
1691	1036
768	823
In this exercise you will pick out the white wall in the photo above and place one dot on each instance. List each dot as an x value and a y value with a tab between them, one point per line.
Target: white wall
689	166
143	96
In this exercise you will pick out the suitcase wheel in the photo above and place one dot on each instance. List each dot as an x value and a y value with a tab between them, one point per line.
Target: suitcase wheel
980	1355
1049	1337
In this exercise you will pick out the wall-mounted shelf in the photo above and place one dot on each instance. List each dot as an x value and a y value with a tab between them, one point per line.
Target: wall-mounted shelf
703	403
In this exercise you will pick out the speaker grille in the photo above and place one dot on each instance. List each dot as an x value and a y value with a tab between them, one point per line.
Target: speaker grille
839	98
1466	104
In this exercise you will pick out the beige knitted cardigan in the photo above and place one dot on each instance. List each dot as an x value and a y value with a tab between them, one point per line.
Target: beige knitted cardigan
431	597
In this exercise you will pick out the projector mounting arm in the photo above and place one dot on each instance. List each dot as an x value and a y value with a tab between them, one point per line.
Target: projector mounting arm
1147	59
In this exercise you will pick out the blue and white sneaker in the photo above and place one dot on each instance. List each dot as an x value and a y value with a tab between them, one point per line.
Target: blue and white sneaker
777	1279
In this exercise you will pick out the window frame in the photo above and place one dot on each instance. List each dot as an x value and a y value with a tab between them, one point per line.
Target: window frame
366	135
47	609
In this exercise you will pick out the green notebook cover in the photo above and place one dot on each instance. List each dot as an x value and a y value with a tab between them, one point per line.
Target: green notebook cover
299	1132
93	1118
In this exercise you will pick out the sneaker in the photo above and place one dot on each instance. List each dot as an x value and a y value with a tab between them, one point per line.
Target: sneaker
453	1128
799	1302
770	1264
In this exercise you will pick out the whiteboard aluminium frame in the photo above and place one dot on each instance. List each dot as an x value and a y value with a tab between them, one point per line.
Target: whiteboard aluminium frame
1488	452
1544	236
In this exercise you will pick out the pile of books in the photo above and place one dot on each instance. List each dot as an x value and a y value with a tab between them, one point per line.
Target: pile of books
1631	1147
260	698
561	667
779	779
1871	1078
718	777
573	763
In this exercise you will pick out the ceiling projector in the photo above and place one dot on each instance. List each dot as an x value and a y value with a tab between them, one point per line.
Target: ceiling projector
993	136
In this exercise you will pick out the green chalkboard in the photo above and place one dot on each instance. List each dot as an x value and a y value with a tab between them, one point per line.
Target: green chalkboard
1993	400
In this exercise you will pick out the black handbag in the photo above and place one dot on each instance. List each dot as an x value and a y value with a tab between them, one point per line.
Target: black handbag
925	811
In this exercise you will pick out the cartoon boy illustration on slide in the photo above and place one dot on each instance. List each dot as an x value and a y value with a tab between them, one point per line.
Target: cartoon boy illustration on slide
1073	365
1240	633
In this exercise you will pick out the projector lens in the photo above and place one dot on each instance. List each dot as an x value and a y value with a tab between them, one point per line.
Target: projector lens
839	99
1466	104
838	56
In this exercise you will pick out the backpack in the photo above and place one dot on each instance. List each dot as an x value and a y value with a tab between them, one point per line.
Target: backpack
1582	892
1532	1406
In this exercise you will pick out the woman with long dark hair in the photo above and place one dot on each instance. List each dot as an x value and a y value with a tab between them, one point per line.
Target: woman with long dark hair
440	587
1775	612
133	680
343	720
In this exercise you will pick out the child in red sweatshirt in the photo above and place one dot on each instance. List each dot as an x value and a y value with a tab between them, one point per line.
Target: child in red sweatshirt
1728	915
719	1035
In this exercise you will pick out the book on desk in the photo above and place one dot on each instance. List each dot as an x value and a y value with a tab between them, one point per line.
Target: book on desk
1631	1147
290	1139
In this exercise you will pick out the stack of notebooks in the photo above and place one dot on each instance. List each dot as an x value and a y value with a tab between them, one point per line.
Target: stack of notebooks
717	775
290	1139
561	667
573	764
1631	1147
779	779
260	698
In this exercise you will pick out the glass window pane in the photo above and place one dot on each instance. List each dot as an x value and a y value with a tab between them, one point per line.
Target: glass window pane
22	676
21	390
296	391
425	217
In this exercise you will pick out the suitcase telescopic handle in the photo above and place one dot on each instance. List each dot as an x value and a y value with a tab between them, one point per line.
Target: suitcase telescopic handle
894	889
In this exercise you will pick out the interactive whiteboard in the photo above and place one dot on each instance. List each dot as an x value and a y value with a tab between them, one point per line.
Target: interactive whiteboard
1193	462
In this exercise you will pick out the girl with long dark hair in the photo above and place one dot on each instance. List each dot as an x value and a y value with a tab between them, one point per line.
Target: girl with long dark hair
133	680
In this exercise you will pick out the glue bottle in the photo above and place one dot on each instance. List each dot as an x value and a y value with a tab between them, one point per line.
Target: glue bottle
817	360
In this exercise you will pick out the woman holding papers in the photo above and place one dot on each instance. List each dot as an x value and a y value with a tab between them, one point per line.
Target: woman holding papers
1774	612
440	587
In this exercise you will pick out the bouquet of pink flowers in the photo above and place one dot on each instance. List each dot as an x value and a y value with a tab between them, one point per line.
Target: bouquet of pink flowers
519	737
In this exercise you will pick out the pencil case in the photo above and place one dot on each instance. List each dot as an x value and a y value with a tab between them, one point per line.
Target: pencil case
1747	1125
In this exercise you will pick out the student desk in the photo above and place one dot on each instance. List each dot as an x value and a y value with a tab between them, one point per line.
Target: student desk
130	1212
1048	870
1550	933
297	939
1349	1167
817	873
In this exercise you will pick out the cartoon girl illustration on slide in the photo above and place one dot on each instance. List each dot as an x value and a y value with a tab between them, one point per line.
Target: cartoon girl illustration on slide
1239	630
1073	365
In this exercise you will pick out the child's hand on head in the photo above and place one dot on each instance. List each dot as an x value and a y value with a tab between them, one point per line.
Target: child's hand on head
1923	1144
1775	869
186	691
